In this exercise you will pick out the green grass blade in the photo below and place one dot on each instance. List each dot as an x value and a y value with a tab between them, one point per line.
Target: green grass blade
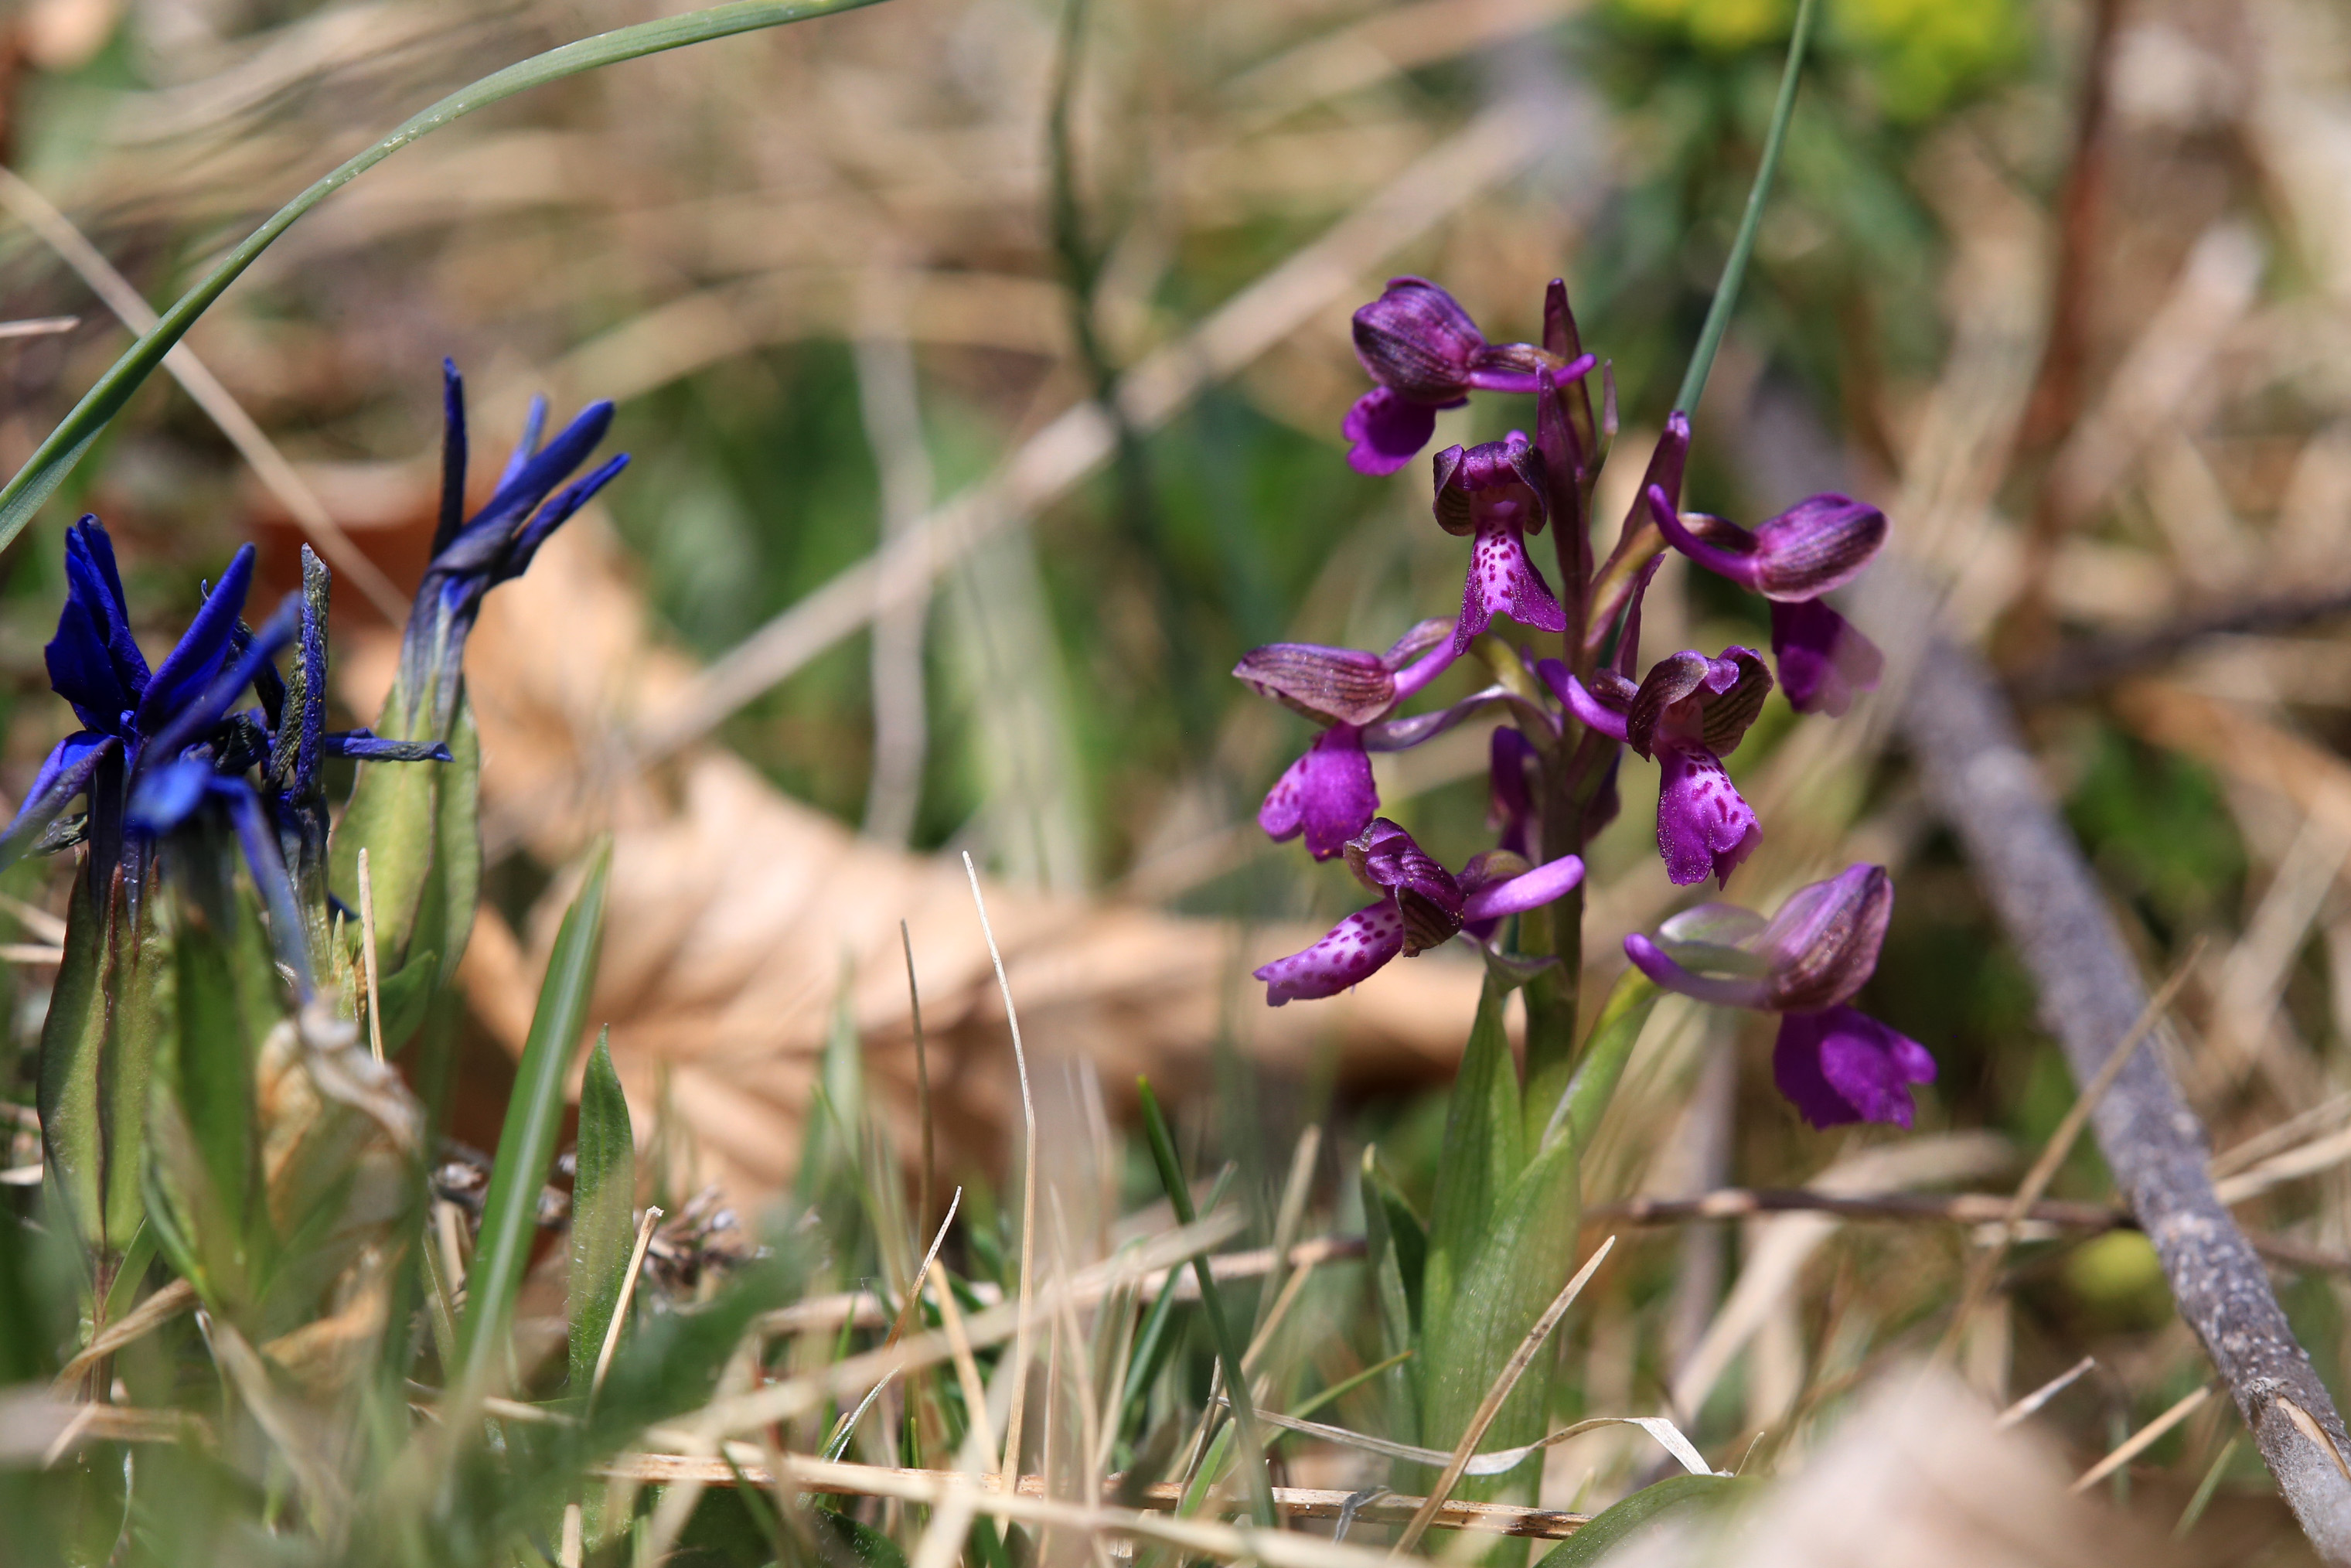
604	1211
1605	1051
1734	270
1220	1326
534	1116
1647	1513
40	476
1483	1152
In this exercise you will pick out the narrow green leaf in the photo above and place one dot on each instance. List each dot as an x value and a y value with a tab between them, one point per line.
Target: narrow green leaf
1481	1157
534	1116
1676	1500
47	468
1750	222
1519	1267
1220	1326
73	1045
1398	1302
1385	1205
407	997
1605	1051
604	1211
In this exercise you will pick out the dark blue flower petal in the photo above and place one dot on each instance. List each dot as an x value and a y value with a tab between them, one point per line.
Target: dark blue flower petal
92	577
453	456
207	706
534	426
81	672
165	797
66	773
363	744
189	669
554	514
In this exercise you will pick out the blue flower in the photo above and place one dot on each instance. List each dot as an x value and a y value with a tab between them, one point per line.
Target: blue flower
472	555
160	746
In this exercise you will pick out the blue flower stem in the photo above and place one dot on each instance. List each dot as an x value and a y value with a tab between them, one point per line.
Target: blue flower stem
71	440
1734	270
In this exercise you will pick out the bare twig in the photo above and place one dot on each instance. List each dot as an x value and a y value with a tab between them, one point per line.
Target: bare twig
2141	1440
2024	1408
1978	775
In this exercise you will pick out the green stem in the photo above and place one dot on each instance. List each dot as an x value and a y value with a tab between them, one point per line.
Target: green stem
1734	271
1220	1327
66	446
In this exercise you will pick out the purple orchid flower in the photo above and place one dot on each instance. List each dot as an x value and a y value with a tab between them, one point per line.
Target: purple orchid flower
1328	793
1833	1062
1427	354
1422	905
1814	548
1495	492
1687	714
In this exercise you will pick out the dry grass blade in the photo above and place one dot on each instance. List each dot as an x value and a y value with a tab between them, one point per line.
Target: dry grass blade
2060	1143
1520	1359
1022	1337
645	1223
367	958
158	1308
1490	149
39	326
2025	1408
2141	1440
1161	1497
293	492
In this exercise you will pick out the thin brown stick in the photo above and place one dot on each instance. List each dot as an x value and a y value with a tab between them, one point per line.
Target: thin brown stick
1986	1267
645	1224
1520	1359
2027	1406
161	1307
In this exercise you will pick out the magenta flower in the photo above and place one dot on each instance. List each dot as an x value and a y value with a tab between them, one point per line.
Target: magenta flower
1422	905
1833	1062
1495	491
1328	794
1427	354
1688	713
1814	548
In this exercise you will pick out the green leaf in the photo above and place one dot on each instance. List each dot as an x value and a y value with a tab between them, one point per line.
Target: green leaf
1520	1265
534	1116
1397	1251
1676	1500
1605	1051
1483	1152
406	998
40	476
604	1211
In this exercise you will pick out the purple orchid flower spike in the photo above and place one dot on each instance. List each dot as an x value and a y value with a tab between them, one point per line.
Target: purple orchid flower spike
1833	1062
1328	794
1814	548
1421	906
1495	492
1687	714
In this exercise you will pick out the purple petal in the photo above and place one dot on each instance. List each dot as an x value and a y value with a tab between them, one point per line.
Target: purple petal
1350	955
1328	794
1816	546
1519	893
1417	338
1326	684
1705	828
1384	431
1660	967
1503	581
1589	710
1725	549
1510	803
1823	659
1821	945
1841	1065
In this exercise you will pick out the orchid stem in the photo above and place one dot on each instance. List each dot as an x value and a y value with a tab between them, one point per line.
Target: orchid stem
1734	270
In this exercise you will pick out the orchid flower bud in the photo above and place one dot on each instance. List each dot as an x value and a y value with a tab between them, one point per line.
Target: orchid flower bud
1427	354
1815	547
